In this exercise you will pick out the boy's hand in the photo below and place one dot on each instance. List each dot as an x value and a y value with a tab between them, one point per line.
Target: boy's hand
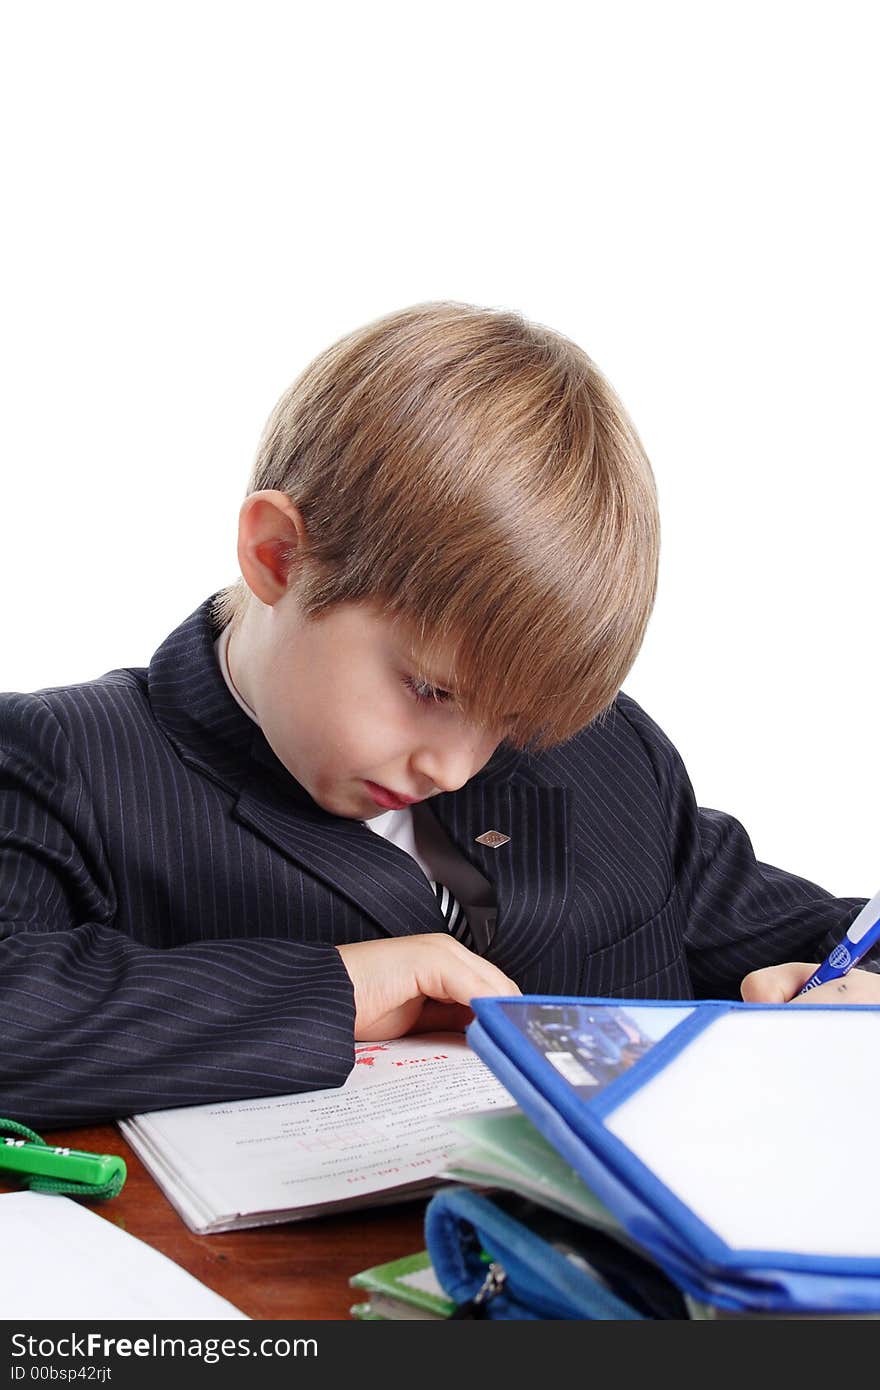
776	984
408	984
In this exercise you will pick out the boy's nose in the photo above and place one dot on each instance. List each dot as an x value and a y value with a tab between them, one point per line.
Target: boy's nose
449	767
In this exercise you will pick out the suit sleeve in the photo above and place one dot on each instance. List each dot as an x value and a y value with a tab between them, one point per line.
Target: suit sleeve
740	914
94	1025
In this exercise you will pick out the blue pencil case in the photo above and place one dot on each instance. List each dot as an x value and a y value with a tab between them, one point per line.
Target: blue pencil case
508	1258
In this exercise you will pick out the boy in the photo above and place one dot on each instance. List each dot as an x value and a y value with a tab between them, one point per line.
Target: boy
217	873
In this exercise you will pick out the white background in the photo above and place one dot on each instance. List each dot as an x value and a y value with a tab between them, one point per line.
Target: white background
200	196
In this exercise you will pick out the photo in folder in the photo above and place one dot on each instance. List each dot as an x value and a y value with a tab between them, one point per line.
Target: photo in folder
723	1136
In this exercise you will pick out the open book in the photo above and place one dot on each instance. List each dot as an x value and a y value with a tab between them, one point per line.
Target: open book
382	1137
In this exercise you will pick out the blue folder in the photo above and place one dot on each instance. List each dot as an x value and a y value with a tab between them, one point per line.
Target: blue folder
634	1095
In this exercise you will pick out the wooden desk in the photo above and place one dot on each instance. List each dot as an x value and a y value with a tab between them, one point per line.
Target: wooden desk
299	1270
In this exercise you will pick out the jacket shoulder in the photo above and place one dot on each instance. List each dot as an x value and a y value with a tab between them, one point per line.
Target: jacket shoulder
44	719
623	726
623	744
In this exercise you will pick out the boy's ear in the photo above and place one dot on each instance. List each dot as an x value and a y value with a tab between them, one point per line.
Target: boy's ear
272	542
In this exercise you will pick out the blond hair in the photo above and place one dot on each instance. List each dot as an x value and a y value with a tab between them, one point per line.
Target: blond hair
475	475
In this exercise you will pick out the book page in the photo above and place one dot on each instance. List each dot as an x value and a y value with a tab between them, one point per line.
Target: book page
767	1127
382	1130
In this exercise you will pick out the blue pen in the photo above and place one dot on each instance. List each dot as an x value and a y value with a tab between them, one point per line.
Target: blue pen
860	937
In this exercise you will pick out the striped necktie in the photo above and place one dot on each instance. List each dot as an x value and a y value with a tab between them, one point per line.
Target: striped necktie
453	915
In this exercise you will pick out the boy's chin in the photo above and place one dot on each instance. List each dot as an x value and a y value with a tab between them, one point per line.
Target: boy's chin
353	804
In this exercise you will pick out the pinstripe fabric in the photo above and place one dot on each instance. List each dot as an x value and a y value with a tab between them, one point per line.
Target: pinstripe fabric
170	898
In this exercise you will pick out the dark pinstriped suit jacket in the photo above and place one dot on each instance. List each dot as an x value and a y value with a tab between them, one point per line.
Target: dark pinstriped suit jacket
170	897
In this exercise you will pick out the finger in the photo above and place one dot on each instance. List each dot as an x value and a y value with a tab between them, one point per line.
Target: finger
395	1023
448	971
443	1018
776	984
488	979
462	981
858	987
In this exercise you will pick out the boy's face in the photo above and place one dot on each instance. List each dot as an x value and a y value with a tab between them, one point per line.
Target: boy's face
347	710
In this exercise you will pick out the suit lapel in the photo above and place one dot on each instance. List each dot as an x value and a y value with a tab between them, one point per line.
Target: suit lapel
378	878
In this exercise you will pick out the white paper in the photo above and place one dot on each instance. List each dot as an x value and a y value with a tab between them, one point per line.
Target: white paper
63	1261
767	1127
253	1161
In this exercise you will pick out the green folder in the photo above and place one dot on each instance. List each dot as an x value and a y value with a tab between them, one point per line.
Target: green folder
404	1288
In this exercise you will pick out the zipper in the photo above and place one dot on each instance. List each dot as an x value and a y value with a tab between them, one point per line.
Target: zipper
496	1278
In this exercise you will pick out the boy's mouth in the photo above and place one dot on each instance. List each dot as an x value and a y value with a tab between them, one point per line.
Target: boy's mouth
388	799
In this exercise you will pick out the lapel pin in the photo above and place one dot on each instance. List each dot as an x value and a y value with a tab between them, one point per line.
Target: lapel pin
493	838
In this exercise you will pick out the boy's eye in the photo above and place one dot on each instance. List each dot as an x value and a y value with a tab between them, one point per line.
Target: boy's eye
424	693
